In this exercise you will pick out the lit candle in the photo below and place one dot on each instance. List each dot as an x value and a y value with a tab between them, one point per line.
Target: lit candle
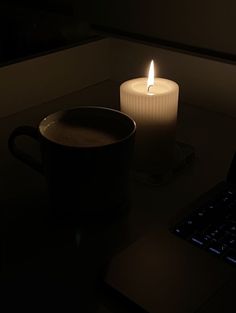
153	104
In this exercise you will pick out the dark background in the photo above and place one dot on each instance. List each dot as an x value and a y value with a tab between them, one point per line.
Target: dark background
28	28
31	27
209	24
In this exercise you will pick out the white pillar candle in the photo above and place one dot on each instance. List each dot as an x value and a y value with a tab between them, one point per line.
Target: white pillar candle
153	104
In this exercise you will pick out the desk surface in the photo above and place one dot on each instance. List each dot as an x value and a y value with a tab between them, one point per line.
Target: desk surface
65	266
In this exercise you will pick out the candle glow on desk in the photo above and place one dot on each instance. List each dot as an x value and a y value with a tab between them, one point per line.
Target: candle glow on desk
153	104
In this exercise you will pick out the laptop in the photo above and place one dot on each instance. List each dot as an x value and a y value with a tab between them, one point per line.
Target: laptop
188	266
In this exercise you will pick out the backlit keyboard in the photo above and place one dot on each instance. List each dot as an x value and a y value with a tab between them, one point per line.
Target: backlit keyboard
212	225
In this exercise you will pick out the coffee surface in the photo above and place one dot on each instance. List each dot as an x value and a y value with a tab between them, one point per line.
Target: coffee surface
78	136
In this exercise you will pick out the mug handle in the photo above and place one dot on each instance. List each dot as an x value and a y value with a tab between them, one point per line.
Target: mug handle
18	153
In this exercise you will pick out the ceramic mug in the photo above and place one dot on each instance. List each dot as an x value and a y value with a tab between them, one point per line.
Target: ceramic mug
86	155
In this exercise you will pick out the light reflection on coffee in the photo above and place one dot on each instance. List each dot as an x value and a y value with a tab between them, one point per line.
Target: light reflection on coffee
78	136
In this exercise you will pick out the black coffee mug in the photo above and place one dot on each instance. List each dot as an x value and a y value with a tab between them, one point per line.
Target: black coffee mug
86	158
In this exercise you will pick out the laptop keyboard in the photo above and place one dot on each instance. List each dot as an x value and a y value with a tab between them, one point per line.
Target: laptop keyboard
212	225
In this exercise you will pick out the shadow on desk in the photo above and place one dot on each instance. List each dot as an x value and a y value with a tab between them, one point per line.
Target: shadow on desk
47	262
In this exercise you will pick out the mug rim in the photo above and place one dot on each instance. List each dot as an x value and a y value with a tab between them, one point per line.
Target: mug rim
131	120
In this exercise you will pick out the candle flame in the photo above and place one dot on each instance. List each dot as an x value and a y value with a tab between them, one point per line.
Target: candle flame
150	81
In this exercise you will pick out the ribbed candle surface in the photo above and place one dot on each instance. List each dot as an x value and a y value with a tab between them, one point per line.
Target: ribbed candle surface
155	112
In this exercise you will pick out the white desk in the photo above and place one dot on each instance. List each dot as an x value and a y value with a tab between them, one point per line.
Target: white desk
23	194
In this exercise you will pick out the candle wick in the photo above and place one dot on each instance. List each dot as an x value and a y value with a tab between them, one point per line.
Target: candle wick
149	87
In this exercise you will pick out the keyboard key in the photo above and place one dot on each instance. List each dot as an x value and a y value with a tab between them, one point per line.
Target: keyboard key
198	239
217	248
231	257
232	205
231	191
231	228
183	230
208	239
213	232
229	240
231	216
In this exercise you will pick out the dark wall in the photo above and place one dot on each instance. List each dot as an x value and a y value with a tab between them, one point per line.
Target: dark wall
28	28
59	6
209	24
